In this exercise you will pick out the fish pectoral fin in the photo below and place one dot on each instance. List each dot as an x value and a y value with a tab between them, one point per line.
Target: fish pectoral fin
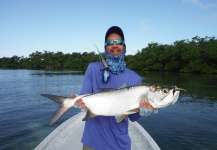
124	116
121	117
89	115
135	110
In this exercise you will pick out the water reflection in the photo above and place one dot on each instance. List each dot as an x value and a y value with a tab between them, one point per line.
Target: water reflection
57	73
197	86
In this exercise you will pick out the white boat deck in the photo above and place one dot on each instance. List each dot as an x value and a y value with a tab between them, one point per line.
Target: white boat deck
68	136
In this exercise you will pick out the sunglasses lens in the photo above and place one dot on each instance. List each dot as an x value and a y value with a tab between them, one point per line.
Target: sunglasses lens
111	42
119	41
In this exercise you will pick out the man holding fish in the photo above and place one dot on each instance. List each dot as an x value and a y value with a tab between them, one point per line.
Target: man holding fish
104	132
112	93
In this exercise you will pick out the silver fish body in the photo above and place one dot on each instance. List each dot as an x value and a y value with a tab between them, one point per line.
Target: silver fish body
119	103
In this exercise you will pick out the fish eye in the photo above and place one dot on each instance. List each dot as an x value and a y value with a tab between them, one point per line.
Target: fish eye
165	91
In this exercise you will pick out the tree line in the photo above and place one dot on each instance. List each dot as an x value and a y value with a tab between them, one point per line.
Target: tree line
198	55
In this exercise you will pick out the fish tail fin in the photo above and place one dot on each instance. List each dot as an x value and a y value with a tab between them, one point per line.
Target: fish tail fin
62	107
59	113
55	98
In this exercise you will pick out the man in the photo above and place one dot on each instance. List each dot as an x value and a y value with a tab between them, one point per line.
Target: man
103	132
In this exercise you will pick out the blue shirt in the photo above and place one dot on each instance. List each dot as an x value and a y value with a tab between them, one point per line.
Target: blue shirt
103	132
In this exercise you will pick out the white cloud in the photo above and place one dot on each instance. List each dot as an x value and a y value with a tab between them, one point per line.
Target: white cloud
199	3
210	17
144	25
89	48
132	51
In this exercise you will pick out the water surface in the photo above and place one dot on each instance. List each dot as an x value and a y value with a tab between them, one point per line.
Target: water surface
188	124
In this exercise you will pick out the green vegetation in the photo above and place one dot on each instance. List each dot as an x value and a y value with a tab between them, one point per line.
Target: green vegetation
196	56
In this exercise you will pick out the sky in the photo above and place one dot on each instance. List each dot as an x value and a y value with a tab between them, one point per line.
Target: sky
68	26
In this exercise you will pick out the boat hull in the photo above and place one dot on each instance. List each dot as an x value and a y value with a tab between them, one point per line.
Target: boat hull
69	135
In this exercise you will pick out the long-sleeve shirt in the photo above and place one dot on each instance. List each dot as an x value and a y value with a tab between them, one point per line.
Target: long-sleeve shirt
103	132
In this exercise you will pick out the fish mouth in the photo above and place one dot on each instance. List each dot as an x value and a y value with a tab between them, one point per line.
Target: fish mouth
177	89
165	96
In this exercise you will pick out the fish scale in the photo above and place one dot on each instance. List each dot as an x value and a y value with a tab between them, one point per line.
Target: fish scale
115	103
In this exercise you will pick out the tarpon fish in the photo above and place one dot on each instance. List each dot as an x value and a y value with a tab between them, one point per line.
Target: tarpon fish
119	102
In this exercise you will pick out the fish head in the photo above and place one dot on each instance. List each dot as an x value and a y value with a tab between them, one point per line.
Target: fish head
162	96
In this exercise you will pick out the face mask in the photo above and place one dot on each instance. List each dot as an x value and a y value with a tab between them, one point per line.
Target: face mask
116	64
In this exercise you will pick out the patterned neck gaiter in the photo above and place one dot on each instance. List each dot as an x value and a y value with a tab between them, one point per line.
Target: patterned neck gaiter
116	64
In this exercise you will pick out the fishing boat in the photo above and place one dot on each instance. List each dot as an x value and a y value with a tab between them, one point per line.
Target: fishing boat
68	136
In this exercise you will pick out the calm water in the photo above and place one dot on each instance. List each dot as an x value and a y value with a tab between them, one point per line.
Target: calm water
191	123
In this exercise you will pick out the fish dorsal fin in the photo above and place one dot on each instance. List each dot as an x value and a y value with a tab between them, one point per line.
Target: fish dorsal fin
112	89
122	86
89	115
106	89
121	117
135	110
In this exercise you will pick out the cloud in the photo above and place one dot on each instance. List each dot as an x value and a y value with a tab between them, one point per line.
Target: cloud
143	25
132	51
199	3
89	48
212	17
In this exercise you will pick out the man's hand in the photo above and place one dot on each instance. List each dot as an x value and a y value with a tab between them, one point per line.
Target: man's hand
79	102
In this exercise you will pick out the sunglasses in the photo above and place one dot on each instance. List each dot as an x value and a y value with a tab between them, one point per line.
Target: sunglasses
111	42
